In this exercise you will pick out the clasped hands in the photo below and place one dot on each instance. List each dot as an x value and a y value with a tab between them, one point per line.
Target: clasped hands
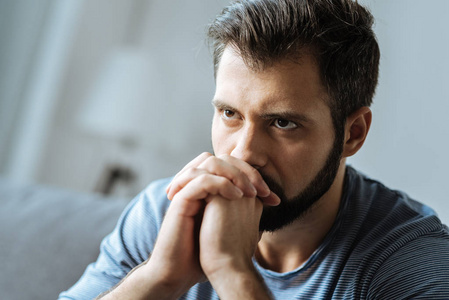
211	228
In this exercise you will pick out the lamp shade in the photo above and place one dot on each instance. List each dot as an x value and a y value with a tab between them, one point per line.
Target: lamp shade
116	105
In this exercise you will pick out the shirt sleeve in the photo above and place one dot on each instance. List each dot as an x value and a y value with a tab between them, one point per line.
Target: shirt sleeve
129	244
419	270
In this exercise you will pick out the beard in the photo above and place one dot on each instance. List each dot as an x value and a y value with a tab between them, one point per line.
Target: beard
289	210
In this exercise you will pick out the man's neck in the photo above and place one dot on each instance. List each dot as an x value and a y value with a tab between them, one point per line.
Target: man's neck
288	248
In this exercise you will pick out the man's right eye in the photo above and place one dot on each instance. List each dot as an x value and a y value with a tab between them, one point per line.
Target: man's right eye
228	114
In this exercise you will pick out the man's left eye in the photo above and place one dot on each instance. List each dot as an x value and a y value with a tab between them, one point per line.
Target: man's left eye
284	124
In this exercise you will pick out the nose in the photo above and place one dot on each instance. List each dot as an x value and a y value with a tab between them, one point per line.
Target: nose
251	147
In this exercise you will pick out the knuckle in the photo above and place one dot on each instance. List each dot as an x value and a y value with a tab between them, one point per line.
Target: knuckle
203	178
212	162
253	173
223	181
225	157
205	155
239	172
191	172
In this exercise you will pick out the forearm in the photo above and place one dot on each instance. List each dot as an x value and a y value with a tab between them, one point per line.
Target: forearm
139	284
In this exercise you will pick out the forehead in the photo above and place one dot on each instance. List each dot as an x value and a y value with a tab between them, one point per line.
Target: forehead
286	84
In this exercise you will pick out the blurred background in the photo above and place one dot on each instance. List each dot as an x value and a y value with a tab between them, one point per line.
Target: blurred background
108	95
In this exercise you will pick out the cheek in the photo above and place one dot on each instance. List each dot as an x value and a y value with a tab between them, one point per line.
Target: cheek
299	164
220	140
215	134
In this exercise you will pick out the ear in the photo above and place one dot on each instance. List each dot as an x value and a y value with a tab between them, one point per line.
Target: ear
356	130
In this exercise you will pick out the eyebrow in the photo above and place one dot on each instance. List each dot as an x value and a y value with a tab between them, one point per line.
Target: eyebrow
287	115
221	105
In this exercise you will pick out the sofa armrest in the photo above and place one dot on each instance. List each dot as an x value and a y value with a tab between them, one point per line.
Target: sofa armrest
48	236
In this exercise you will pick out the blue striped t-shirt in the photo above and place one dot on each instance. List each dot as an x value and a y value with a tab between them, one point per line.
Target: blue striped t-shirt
383	245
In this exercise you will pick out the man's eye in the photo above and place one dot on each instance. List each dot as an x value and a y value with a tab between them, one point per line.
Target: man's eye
228	114
284	124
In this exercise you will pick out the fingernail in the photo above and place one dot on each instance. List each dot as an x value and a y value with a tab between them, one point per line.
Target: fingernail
265	189
238	192
276	197
271	200
253	190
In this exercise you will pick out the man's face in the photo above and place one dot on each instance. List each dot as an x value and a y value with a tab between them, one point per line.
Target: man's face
277	121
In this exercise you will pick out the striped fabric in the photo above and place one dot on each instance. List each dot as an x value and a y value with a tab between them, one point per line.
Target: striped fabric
383	245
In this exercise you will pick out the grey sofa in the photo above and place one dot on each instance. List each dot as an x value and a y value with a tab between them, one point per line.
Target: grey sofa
48	236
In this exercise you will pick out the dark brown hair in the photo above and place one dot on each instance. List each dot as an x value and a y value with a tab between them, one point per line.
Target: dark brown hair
339	33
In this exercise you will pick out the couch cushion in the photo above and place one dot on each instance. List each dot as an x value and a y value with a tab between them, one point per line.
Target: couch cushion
48	236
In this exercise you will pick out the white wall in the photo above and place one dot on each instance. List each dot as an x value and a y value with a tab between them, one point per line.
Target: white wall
177	127
21	27
408	144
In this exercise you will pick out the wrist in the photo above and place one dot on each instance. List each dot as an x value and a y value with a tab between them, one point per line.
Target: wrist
239	281
161	285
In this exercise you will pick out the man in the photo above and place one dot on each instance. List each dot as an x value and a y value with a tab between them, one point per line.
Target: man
276	213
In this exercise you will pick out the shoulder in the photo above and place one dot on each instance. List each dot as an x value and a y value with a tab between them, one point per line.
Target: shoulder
136	231
139	224
385	219
415	269
401	246
374	203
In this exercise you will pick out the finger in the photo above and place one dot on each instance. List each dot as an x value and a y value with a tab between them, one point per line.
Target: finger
253	175
271	200
201	187
223	168
182	179
192	164
214	166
